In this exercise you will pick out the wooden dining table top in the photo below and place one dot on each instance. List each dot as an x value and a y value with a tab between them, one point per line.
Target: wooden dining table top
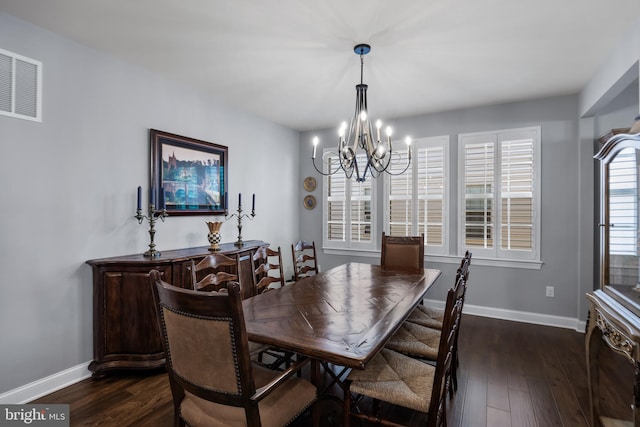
344	315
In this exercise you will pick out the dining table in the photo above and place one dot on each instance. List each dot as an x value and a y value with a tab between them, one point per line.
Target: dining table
342	316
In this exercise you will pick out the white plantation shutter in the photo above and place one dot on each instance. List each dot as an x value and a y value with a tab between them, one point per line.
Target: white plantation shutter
479	159
623	203
348	210
431	194
516	194
336	189
500	193
360	224
416	201
400	196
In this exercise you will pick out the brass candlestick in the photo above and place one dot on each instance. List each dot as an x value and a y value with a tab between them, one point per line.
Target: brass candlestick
151	217
239	243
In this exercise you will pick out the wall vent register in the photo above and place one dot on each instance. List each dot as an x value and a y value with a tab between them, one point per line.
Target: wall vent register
20	86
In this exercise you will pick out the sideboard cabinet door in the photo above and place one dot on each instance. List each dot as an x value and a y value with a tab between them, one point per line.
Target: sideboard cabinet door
126	332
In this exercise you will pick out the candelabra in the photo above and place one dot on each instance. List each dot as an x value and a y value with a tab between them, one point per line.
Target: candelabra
239	243
152	217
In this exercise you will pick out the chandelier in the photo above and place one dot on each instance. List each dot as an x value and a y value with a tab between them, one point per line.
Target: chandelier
360	151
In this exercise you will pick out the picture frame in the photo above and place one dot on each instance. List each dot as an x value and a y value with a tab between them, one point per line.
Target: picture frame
188	176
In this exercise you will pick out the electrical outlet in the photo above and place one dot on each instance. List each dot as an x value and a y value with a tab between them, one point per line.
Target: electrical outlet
550	291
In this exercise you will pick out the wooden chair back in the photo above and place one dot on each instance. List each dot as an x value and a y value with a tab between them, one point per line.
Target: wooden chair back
267	265
446	356
211	375
305	262
218	368
213	272
402	252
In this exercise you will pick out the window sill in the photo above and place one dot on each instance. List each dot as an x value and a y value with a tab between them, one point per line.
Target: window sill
444	259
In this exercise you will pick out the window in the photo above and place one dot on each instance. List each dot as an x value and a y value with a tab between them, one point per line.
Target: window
499	193
416	202
347	208
623	203
20	86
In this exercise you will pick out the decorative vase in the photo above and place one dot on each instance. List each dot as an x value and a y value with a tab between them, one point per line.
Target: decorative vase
214	235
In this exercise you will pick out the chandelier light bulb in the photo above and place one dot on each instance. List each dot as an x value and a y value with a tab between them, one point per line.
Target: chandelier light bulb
407	140
389	131
363	115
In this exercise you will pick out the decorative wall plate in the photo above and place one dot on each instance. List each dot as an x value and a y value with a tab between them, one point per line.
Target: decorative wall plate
309	202
309	183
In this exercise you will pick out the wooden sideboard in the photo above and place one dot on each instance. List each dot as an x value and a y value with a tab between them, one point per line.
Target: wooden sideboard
126	334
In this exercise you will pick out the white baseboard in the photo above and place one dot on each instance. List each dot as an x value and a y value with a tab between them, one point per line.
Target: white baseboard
520	316
47	385
70	376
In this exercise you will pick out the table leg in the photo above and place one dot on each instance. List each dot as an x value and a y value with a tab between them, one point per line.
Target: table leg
317	381
636	396
593	341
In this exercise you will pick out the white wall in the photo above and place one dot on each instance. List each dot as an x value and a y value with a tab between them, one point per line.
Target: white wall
69	190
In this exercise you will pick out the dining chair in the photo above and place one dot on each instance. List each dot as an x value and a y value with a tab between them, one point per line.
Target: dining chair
267	264
419	340
430	316
213	380
400	380
402	252
305	262
213	272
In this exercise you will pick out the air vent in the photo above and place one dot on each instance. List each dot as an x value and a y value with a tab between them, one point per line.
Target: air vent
20	86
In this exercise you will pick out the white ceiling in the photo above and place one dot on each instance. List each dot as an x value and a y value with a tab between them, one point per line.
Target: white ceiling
292	61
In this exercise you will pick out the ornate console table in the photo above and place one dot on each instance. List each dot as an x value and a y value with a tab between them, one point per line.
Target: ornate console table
619	328
125	330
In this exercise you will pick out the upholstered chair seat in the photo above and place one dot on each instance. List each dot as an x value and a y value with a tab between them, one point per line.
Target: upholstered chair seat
279	408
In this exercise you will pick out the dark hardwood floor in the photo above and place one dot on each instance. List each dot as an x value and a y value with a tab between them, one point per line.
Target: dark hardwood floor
511	374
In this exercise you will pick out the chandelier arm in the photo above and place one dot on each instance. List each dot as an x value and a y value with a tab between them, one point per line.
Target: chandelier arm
324	173
382	165
399	173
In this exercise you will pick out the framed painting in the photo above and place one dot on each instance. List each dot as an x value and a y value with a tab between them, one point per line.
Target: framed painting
188	176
